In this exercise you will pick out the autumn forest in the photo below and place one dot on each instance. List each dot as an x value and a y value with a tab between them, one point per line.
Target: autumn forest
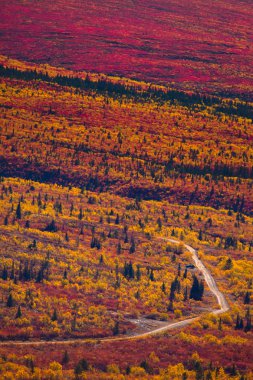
126	193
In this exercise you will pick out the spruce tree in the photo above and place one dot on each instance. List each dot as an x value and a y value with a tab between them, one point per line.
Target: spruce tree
151	276
138	273
197	289
54	316
132	246
159	223
19	313
248	324
80	215
201	289
18	211
237	324
119	248
117	220
65	358
115	329
131	270
247	298
5	274
40	276
10	301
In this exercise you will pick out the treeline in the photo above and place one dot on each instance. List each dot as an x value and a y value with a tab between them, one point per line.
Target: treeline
244	324
118	90
27	271
217	170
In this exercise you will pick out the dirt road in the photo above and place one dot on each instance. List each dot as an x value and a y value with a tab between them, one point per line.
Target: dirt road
223	307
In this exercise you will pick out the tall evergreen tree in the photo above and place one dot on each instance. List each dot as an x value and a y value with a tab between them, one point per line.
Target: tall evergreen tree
247	298
10	301
138	273
115	329
4	273
197	289
65	358
237	323
54	316
151	276
19	313
119	248
18	211
132	246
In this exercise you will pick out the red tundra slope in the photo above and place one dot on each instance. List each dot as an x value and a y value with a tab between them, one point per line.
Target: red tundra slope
196	44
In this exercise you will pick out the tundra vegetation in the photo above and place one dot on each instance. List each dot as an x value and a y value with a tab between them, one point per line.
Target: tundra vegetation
96	173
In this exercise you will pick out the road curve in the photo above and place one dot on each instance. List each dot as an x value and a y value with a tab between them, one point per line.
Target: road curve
222	302
223	307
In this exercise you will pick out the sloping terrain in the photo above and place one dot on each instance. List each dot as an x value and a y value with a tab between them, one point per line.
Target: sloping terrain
192	44
126	190
98	174
149	145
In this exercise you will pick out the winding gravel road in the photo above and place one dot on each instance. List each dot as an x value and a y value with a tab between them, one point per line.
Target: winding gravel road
223	307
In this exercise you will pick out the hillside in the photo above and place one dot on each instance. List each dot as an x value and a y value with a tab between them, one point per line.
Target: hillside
126	190
197	45
97	173
140	144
